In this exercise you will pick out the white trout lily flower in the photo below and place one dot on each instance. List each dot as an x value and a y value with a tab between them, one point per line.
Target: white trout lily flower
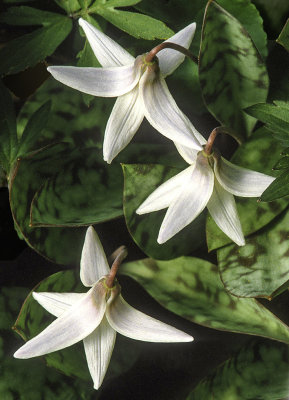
95	316
139	86
210	181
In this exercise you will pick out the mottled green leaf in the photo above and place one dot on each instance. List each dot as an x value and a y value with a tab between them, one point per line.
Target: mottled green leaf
139	182
259	153
135	24
26	51
30	173
87	191
278	189
33	129
276	118
71	361
258	371
192	288
232	73
25	15
8	135
260	267
283	163
283	38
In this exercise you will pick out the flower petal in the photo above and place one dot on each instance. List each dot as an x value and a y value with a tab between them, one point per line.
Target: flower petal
189	155
93	263
125	119
241	181
165	194
107	51
104	82
71	327
98	350
57	303
170	59
190	202
134	324
222	208
163	113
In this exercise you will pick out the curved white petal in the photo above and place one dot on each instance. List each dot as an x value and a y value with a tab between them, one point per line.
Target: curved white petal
107	51
163	113
189	155
57	303
222	208
170	59
134	324
98	348
190	202
165	194
71	327
241	181
104	82
93	262
125	119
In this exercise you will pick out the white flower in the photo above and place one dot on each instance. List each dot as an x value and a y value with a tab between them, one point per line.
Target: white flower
95	316
210	181
139	86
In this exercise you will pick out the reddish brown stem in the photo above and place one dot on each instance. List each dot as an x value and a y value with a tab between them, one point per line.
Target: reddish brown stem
211	139
119	259
169	45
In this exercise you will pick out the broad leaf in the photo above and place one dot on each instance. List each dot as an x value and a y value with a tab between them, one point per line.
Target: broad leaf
135	24
85	192
283	163
70	6
28	50
283	38
140	180
232	73
278	189
192	288
25	15
258	371
260	267
259	153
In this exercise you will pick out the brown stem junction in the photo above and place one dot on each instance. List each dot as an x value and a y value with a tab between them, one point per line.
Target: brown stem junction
169	45
211	139
122	253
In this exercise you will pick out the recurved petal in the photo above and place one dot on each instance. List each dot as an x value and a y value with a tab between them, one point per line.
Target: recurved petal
71	327
103	82
241	181
191	201
222	208
93	262
134	324
107	51
189	155
165	194
57	303
163	113
170	59
125	119
98	350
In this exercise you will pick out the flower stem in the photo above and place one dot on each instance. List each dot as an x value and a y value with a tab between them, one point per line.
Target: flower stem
169	45
211	139
122	253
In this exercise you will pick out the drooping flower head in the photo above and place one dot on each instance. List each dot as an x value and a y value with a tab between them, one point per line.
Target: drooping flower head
95	316
139	86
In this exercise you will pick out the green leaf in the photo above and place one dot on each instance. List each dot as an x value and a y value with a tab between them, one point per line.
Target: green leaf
140	180
33	129
121	3
258	371
260	267
8	134
135	24
28	50
233	75
87	191
70	6
258	153
283	38
283	163
71	361
192	288
278	188
24	15
276	118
